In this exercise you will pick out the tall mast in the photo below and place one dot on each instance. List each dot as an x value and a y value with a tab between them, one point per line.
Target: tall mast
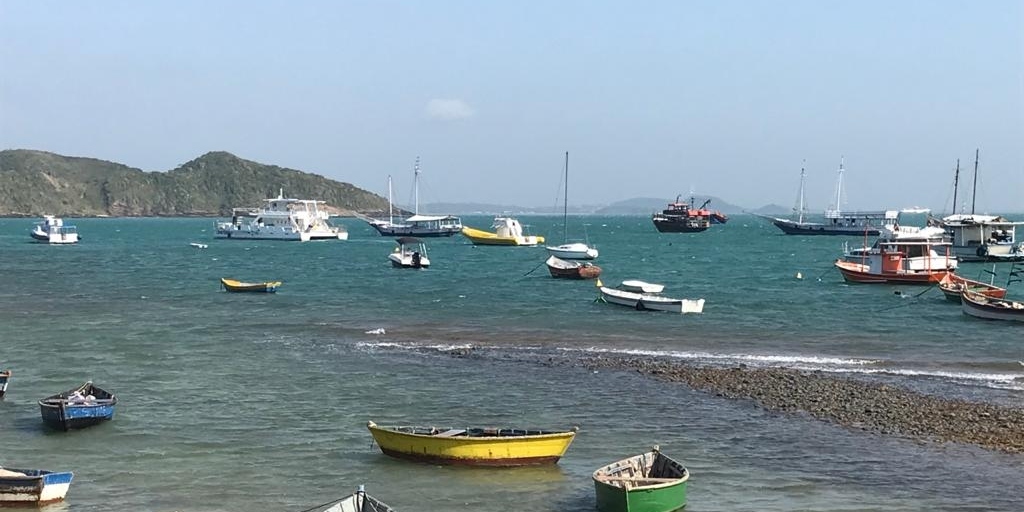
956	182
974	193
565	202
800	197
391	209
839	186
416	185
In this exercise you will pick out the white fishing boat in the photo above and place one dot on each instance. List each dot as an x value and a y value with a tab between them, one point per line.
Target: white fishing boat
977	237
901	255
282	219
991	308
652	301
410	253
52	230
570	250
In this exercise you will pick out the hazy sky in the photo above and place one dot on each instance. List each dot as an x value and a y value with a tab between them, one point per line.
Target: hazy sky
650	98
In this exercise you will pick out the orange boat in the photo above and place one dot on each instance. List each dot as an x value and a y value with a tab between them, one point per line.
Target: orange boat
904	255
953	287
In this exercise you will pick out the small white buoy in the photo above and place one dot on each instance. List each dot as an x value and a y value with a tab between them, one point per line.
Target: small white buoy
799	275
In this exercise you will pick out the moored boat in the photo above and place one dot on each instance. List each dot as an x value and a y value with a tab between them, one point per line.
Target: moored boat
638	286
417	225
836	221
570	250
473	446
52	230
5	377
648	300
358	501
33	486
80	407
281	218
953	286
649	482
567	269
981	306
410	253
681	217
507	231
901	255
233	285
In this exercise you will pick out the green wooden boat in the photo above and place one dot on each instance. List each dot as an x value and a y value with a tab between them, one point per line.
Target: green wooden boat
649	482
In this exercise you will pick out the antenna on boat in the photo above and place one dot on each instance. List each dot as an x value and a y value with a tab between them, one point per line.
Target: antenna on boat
416	185
974	193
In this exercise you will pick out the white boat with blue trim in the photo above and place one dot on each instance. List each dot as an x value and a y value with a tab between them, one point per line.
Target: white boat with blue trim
282	218
52	230
33	486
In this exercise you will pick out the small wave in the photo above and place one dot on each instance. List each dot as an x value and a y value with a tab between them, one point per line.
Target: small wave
778	360
412	346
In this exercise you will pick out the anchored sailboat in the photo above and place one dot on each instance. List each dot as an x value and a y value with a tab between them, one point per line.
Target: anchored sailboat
416	225
570	250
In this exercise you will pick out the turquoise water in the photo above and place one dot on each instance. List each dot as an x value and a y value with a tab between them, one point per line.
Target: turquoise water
259	402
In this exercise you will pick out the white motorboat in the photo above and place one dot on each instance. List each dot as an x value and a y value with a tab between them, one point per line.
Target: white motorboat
410	253
282	219
651	301
52	230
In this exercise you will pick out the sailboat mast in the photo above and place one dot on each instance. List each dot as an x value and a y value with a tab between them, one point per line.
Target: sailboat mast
416	186
565	202
974	193
391	208
956	182
839	186
800	204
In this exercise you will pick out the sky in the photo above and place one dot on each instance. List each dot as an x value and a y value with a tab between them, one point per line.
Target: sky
650	98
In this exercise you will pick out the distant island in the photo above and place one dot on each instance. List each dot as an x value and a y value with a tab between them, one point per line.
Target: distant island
34	183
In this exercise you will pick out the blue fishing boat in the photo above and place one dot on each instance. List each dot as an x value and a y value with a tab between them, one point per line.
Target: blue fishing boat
5	375
80	407
33	486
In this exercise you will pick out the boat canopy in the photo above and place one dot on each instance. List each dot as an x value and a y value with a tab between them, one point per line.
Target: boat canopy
429	218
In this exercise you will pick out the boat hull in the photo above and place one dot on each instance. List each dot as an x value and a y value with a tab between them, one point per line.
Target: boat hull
680	226
61	412
480	237
811	228
36	487
5	377
233	286
644	302
578	251
359	502
979	306
496	447
859	273
562	269
649	482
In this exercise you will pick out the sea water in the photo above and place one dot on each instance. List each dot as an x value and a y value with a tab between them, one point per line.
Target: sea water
259	402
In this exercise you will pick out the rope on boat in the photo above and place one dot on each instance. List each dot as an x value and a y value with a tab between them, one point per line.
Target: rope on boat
912	297
535	268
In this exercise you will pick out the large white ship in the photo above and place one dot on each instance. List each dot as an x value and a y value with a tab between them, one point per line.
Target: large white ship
281	219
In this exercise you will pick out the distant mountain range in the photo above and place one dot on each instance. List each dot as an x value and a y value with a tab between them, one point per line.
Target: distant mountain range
635	206
34	183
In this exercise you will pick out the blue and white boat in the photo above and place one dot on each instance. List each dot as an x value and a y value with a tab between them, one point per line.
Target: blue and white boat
80	407
52	230
33	486
5	375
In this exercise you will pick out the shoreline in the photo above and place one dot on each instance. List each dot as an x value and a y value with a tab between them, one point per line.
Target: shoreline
871	407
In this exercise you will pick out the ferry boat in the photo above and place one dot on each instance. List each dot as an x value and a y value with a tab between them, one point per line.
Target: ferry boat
681	217
281	219
901	255
52	230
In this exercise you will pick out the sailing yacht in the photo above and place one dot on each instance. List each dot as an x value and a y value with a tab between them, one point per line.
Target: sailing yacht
416	225
837	222
570	250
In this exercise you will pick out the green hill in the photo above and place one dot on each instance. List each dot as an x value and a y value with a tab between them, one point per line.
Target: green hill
33	183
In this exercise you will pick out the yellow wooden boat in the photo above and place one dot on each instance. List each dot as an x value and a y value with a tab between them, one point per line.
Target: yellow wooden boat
232	285
507	231
473	446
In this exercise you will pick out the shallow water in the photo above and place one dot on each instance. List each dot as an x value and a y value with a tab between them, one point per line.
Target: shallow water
259	402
